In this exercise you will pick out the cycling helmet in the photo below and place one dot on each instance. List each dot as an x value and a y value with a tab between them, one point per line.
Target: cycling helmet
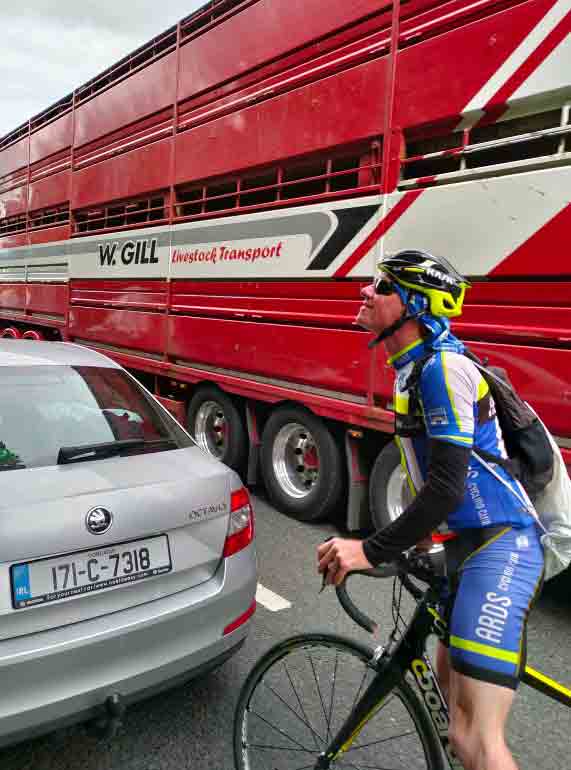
434	277
431	290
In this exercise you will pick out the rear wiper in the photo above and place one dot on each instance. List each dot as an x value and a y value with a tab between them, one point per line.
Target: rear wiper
78	454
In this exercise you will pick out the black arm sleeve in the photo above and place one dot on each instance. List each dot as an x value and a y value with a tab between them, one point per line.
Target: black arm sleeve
441	494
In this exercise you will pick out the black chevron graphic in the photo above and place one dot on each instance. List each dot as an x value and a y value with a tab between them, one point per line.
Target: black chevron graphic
350	222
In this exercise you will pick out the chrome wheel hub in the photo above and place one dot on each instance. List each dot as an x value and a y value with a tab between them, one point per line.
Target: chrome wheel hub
211	429
296	460
398	493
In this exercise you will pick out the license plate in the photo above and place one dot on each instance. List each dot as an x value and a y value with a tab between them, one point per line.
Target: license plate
50	580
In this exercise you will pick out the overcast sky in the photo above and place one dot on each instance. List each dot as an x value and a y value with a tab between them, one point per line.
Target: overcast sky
50	47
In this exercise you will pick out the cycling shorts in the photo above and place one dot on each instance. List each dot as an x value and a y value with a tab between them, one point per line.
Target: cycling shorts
487	603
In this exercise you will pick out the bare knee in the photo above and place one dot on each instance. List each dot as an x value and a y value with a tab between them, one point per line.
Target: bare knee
478	750
468	740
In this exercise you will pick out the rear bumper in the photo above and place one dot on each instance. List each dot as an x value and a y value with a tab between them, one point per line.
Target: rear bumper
66	674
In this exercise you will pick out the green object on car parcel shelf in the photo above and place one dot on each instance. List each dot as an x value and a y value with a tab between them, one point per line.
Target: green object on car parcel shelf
7	457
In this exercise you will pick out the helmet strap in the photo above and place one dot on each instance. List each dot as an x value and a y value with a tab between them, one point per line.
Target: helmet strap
394	327
390	330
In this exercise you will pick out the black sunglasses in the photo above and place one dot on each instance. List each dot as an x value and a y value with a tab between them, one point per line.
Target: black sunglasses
384	287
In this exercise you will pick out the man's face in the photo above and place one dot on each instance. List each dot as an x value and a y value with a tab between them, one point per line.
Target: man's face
378	311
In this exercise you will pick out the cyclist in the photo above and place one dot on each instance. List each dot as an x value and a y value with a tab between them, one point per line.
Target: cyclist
493	554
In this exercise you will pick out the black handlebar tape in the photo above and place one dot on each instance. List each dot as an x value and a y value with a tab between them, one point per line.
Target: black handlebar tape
354	612
384	571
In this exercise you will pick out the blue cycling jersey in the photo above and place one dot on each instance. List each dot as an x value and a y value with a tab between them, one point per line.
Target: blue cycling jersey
455	405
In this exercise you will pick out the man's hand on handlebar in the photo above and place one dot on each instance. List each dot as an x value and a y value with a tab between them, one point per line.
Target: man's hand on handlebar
337	556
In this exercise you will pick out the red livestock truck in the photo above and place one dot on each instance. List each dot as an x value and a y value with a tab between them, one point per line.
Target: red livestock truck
207	210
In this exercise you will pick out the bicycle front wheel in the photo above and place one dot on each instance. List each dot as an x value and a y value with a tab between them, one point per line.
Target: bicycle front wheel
302	690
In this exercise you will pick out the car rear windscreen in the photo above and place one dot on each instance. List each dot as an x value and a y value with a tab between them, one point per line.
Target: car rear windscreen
45	408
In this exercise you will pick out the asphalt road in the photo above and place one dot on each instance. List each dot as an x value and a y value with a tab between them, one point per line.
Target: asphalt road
190	727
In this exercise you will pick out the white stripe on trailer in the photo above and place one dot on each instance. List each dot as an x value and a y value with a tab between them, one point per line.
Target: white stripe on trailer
518	57
481	222
551	76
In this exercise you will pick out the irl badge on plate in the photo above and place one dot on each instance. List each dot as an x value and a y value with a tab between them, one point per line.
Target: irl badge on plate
21	582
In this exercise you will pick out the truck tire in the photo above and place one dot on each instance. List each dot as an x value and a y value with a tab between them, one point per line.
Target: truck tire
32	334
218	427
11	333
301	464
388	489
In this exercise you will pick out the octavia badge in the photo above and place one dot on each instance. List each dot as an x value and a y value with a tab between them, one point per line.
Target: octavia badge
98	520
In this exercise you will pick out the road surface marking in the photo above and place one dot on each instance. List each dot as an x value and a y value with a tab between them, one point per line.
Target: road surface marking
270	600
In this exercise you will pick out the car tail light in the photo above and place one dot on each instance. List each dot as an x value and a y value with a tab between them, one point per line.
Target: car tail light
241	619
241	526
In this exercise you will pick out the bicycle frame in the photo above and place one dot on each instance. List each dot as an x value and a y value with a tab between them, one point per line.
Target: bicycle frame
409	655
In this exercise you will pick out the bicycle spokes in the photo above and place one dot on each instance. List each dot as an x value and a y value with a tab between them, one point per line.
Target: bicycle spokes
301	700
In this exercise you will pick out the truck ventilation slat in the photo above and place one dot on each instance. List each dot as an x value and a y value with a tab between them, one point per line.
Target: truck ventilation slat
150	210
543	135
49	217
354	171
11	225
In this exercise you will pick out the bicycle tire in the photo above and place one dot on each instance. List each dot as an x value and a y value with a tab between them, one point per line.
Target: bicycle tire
296	664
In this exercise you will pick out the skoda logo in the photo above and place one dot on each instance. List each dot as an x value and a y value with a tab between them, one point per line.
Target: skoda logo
98	520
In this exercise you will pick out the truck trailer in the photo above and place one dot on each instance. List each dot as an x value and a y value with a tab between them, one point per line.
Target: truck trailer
207	211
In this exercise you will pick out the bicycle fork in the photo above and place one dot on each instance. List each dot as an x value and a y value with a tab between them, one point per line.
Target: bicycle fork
388	676
372	700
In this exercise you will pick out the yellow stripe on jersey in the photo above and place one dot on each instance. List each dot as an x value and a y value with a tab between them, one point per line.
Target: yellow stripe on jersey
404	466
483	389
450	395
406	349
401	403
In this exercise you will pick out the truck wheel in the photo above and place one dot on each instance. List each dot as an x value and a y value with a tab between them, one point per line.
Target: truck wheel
301	465
31	334
217	426
11	333
389	493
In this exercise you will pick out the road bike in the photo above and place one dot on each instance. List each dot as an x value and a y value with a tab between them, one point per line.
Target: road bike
319	700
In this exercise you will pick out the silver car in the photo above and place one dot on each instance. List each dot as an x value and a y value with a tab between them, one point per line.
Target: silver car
127	559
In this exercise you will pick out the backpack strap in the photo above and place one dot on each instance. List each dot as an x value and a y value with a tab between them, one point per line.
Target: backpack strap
526	504
413	379
499	378
509	465
412	423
